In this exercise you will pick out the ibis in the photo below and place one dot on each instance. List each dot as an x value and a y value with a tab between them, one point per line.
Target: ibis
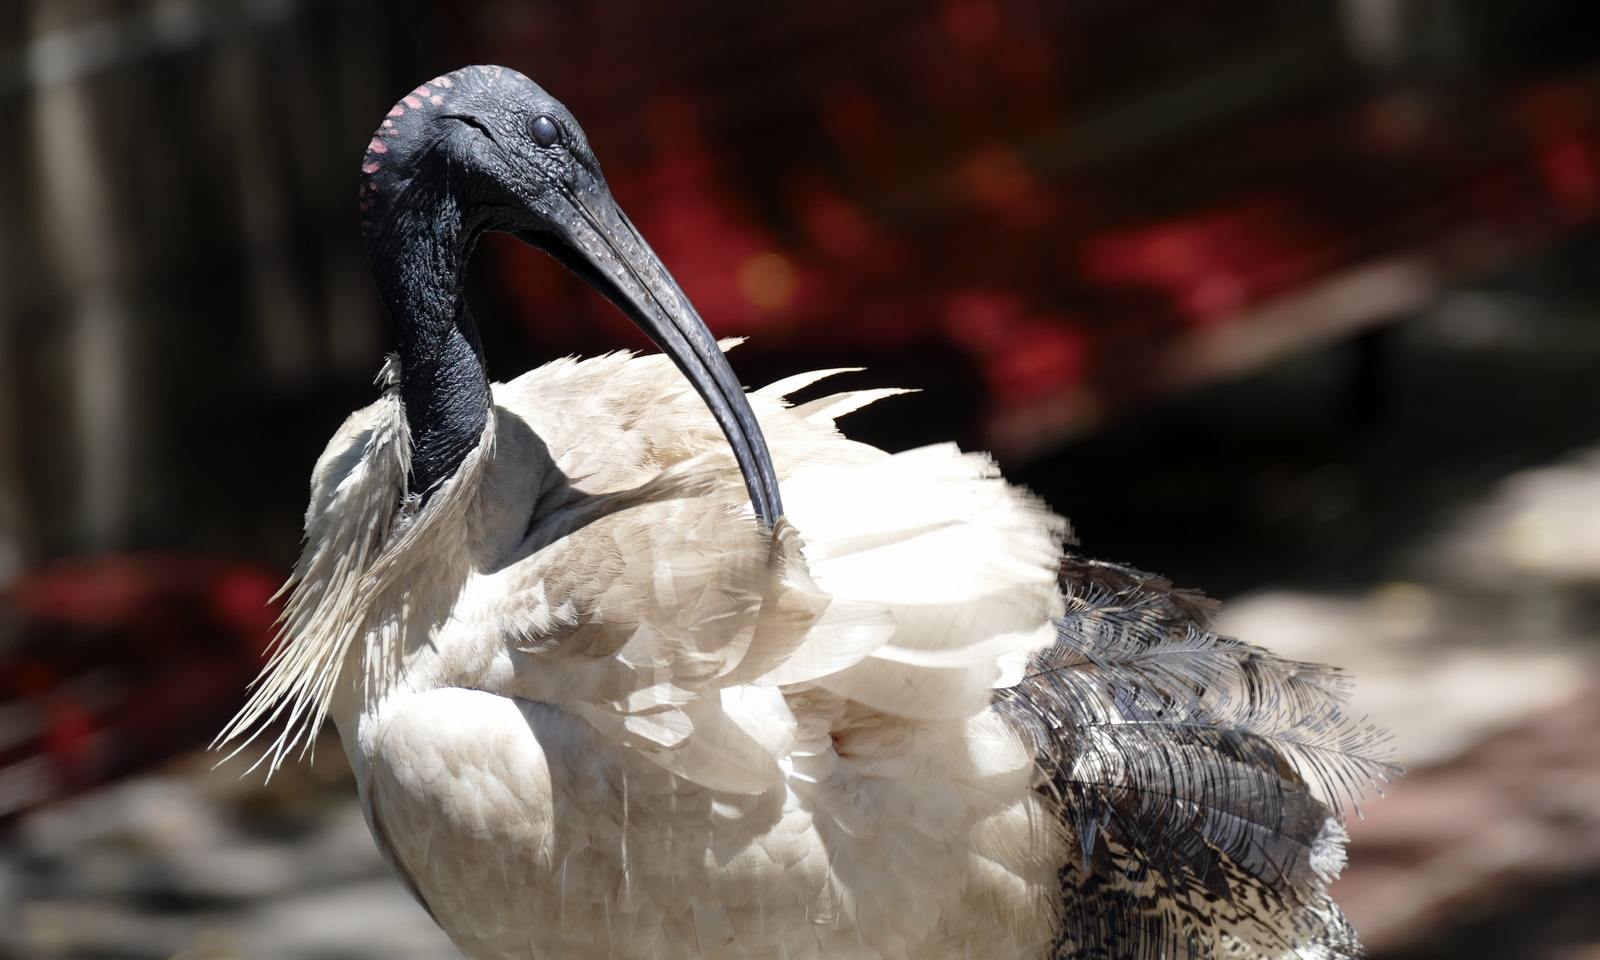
629	662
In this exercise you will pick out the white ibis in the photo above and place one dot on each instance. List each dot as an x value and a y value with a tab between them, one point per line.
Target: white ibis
605	695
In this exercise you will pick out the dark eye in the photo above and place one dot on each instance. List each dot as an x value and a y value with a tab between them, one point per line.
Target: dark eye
545	131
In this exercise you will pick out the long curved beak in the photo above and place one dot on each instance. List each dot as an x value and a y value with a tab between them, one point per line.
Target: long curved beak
594	239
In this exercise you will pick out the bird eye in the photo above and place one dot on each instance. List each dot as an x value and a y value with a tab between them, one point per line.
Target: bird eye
545	131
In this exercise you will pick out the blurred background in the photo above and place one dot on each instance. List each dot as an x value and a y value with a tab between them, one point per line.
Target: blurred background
1294	301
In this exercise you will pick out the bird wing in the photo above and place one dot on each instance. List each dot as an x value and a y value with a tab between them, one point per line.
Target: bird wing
911	583
1197	778
841	664
906	584
1200	777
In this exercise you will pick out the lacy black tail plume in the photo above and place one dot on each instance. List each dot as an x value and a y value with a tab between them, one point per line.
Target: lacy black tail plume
1201	778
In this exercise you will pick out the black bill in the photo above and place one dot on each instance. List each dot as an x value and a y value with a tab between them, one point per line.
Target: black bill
601	245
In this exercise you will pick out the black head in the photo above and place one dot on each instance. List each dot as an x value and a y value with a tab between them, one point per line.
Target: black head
485	148
503	147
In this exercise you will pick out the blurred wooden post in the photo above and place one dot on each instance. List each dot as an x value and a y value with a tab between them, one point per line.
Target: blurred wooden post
75	207
279	304
355	326
12	518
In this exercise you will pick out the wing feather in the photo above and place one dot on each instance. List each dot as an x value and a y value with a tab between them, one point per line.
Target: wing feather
1200	776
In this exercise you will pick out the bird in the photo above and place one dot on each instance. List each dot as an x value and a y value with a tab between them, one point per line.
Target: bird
630	662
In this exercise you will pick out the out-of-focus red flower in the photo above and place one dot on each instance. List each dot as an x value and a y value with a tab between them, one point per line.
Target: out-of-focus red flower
1567	164
1212	264
125	660
839	231
995	177
1023	357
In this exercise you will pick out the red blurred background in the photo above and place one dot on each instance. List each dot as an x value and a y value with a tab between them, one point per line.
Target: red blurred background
1284	298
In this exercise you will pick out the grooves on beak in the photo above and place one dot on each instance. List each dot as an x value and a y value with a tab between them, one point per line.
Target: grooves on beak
600	244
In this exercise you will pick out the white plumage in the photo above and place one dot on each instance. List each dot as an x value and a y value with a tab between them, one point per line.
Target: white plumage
597	707
664	732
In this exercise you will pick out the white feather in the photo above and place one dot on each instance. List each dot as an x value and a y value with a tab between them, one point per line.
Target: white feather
780	389
598	712
829	409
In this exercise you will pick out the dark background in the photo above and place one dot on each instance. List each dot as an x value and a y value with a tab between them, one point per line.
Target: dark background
1267	295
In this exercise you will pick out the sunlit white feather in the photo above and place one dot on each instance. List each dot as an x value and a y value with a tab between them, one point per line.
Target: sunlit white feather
596	711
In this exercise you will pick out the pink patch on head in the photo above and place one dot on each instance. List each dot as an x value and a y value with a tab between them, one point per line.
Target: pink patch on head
411	102
436	99
397	111
370	167
389	124
423	92
442	82
377	146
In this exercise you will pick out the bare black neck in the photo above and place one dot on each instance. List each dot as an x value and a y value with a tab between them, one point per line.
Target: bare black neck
418	253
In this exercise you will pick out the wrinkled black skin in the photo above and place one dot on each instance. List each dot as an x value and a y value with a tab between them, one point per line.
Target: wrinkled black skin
450	171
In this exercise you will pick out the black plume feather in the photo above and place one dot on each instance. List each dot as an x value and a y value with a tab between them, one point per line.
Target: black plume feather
1200	777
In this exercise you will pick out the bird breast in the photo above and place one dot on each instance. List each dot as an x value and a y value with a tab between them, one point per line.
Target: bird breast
527	834
611	716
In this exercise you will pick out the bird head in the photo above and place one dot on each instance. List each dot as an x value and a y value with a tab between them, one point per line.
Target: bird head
509	154
487	149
